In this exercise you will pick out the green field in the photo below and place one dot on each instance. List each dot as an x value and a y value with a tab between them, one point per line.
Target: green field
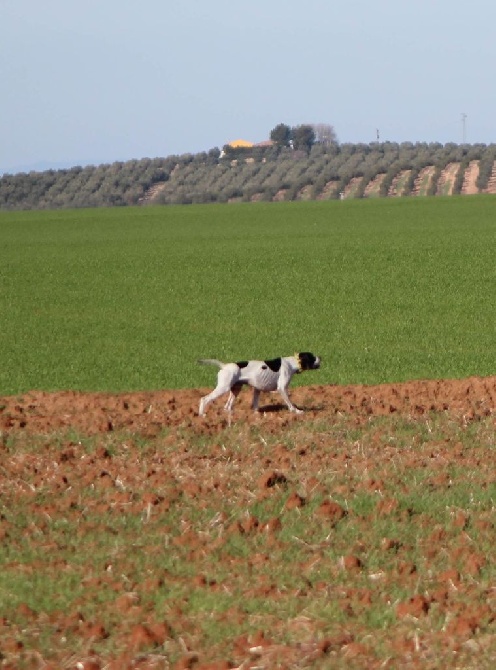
129	298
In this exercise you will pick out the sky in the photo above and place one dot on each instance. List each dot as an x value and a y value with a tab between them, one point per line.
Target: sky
97	81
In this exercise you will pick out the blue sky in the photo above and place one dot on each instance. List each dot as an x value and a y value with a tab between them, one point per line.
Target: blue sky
105	80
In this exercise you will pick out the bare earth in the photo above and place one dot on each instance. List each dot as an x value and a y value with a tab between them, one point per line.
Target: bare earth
62	469
92	413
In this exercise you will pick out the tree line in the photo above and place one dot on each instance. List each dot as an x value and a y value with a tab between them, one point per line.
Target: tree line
290	166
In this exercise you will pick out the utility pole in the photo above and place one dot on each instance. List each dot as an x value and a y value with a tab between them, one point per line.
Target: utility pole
464	128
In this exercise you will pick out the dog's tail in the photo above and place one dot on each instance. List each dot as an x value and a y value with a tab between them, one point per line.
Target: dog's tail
211	361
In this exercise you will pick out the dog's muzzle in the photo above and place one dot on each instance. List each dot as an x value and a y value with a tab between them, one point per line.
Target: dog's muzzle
316	365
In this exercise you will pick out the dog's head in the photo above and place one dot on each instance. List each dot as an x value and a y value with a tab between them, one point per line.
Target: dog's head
307	361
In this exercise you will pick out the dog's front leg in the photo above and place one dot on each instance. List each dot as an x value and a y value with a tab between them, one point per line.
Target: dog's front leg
254	402
283	390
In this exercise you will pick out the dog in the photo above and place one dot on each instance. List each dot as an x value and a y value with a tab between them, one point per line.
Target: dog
271	375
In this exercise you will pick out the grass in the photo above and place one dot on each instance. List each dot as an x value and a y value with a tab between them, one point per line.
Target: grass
207	557
126	299
181	524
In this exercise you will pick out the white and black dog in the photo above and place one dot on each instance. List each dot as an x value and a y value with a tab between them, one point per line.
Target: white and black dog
269	375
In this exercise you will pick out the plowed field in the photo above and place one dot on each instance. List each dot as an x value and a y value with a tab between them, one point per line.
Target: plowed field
136	534
89	413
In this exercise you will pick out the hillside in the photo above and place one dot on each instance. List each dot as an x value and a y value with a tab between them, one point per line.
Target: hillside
262	173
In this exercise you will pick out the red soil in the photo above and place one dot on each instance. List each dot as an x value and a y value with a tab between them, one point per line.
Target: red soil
91	413
457	594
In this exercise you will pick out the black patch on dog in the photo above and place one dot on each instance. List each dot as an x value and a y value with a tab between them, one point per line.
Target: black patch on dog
242	364
274	364
307	360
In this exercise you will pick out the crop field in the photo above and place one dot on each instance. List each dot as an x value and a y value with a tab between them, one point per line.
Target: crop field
125	298
360	534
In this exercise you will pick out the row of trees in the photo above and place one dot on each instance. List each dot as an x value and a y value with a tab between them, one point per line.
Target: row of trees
323	172
121	183
274	172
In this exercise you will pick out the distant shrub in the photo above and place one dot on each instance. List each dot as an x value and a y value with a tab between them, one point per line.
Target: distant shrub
432	190
486	167
360	192
410	182
460	175
388	179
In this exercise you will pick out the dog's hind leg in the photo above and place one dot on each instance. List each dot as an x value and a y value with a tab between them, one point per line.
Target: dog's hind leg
226	378
207	399
232	397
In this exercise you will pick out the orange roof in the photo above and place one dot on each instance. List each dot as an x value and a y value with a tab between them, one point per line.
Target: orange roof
240	143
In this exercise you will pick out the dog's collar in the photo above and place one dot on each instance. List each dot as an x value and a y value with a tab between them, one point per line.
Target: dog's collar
298	361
